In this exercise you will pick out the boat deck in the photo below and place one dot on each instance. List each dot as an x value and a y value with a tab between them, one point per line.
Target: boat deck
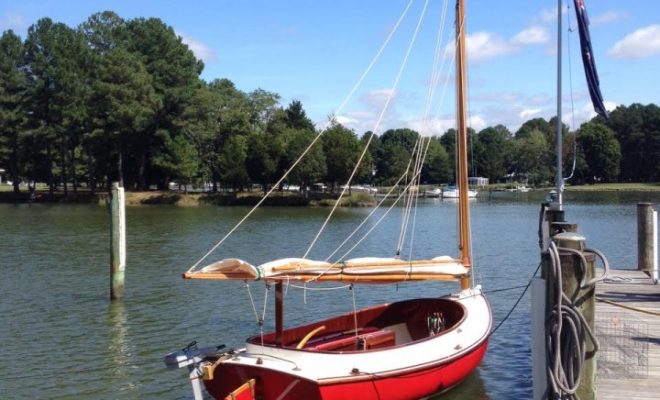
629	359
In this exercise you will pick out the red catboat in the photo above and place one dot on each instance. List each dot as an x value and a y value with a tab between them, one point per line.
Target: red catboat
404	350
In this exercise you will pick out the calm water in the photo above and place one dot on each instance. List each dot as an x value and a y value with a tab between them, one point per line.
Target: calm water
61	338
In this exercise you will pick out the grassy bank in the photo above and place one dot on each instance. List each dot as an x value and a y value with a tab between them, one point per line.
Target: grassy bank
288	199
616	187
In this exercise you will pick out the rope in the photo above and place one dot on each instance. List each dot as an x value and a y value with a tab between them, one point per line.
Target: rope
637	309
508	314
566	334
376	126
312	143
254	308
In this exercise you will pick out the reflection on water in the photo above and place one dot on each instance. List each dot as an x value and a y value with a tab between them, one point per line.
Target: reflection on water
119	352
61	337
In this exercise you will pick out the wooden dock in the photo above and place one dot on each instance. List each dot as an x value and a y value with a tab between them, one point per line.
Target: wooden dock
629	358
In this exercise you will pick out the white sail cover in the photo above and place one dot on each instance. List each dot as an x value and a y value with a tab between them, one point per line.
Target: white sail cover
367	269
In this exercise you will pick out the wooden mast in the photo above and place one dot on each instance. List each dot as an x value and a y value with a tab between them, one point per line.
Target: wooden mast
461	141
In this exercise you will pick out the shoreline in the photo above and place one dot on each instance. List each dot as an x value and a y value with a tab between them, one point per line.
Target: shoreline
277	199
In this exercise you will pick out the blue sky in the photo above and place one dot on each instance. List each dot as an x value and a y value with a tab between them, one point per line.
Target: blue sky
315	51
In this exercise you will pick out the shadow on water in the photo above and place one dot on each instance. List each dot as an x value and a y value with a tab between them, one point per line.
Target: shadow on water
471	388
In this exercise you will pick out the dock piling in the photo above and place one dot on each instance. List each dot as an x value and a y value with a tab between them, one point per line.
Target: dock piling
117	242
566	266
646	243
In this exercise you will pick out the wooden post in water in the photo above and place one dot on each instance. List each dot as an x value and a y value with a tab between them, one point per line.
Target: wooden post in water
645	242
117	242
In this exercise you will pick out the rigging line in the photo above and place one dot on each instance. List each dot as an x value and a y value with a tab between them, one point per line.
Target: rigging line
254	308
406	209
570	80
413	198
376	224
517	301
377	125
395	202
438	53
414	220
311	144
367	217
410	198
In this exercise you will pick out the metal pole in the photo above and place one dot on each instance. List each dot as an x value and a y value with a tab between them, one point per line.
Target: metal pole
559	177
118	242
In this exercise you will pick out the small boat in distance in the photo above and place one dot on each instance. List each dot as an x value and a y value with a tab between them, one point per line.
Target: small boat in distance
436	192
452	192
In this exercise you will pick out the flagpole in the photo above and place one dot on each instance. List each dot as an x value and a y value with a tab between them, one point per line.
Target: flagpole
559	177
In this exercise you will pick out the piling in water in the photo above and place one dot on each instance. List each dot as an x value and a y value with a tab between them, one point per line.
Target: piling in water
645	242
117	242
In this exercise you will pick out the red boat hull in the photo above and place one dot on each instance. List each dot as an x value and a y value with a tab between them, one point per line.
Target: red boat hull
410	384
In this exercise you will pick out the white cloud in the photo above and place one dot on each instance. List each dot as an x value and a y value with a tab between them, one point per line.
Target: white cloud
482	46
433	126
477	123
528	112
201	51
586	113
644	42
378	96
531	35
606	17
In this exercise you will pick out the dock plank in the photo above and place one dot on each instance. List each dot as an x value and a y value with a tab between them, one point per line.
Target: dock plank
629	358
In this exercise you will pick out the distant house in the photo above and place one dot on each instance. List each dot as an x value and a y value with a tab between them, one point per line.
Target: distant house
477	181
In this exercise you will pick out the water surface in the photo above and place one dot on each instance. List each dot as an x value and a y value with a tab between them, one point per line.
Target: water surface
62	338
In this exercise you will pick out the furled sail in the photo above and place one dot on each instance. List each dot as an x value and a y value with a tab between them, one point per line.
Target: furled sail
365	270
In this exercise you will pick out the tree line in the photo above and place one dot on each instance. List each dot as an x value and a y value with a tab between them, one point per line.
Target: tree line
122	100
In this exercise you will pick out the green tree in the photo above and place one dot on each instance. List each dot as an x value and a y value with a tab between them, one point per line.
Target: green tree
264	152
601	150
530	157
396	150
297	118
126	103
637	128
185	161
13	115
495	142
436	165
232	162
174	71
312	167
342	150
448	141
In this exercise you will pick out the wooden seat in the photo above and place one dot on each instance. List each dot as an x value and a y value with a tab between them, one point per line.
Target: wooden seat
371	339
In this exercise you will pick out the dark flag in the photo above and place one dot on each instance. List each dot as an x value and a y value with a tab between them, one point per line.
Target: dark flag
588	59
